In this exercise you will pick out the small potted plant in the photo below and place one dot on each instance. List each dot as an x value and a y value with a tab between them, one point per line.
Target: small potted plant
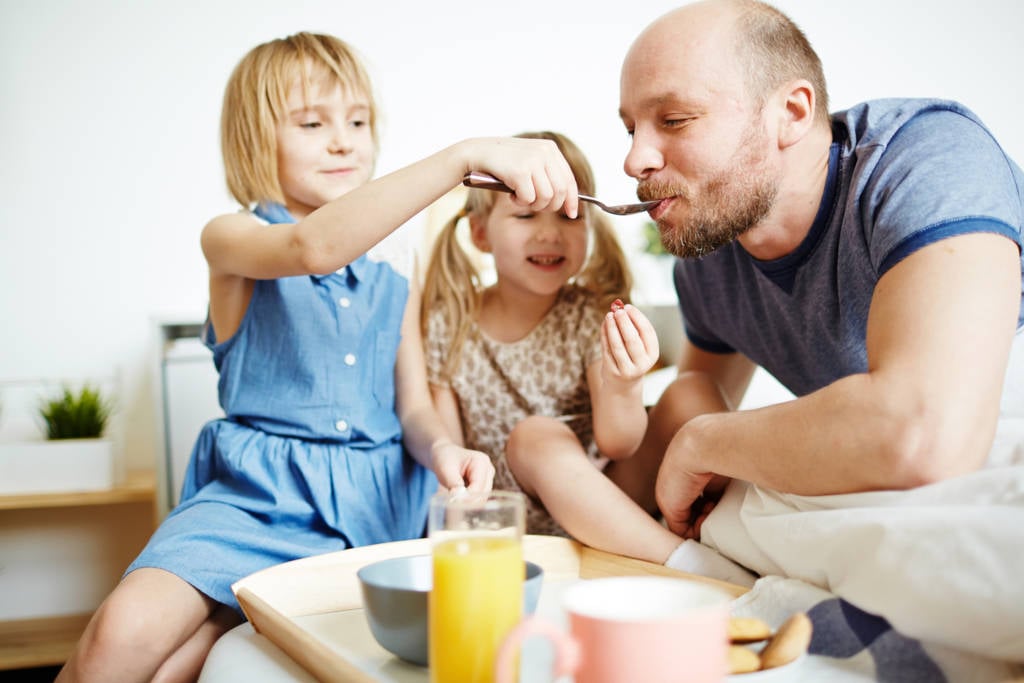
75	455
652	239
81	415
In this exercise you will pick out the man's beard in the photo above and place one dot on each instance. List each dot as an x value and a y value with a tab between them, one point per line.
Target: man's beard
726	206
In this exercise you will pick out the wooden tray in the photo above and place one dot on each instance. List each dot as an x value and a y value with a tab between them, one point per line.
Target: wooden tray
312	608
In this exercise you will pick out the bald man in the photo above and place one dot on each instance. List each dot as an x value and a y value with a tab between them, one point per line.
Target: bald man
870	260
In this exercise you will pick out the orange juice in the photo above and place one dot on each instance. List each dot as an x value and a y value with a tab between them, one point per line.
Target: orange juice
476	600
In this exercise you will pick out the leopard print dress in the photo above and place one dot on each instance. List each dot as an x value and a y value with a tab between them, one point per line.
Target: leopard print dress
544	373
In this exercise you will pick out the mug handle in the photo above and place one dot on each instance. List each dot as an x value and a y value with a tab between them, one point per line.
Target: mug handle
567	650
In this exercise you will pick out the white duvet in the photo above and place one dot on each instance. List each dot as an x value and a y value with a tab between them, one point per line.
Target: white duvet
942	563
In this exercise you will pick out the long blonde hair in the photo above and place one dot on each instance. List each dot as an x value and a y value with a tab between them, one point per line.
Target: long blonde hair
256	97
454	286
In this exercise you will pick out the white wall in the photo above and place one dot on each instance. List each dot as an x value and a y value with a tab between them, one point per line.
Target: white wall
110	112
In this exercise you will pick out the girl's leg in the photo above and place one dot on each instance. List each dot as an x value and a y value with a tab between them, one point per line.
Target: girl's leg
549	464
185	664
141	624
689	395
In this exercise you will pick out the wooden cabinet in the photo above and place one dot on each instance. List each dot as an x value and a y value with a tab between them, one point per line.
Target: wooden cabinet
49	640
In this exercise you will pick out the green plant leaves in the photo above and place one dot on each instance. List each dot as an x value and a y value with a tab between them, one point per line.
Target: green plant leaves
652	239
81	415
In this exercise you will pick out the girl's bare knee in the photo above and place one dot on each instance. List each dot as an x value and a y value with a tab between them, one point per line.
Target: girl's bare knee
689	395
530	444
688	383
526	441
116	628
133	630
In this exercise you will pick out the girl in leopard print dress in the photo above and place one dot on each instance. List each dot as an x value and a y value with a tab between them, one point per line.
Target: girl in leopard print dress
537	372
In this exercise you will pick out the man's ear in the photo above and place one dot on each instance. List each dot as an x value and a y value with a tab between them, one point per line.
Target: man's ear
478	233
796	112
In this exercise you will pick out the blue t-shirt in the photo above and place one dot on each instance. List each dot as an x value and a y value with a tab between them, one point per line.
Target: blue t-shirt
902	174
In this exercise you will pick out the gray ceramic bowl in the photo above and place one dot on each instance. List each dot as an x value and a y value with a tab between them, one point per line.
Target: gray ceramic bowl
395	602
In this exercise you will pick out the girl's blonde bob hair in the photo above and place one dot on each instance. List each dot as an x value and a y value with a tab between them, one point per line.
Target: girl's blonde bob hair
256	100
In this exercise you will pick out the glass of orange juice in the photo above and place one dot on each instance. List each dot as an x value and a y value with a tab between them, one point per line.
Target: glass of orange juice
477	595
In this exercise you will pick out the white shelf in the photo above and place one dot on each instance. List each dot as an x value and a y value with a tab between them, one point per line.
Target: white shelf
48	641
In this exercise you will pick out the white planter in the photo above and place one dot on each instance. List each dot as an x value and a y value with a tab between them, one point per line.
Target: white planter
62	465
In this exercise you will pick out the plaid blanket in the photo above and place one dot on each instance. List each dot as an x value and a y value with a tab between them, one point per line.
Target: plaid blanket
851	645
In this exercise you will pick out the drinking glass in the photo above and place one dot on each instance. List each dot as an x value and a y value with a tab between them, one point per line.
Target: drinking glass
477	594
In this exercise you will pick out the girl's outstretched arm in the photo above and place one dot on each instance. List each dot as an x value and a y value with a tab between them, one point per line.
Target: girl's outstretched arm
447	405
426	435
629	349
341	230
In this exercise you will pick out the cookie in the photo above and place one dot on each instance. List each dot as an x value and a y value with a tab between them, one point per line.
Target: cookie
748	630
788	643
742	660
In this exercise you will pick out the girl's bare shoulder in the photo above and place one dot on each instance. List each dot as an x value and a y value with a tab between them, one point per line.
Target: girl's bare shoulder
234	220
230	227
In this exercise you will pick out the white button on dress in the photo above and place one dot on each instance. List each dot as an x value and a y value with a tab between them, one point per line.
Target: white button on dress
350	359
344	302
341	425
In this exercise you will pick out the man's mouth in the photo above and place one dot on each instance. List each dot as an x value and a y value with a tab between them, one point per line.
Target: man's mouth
660	208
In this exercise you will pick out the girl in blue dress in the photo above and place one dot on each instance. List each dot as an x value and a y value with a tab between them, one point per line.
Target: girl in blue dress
330	438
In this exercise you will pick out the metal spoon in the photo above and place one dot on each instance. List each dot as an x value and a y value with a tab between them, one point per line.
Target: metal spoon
486	181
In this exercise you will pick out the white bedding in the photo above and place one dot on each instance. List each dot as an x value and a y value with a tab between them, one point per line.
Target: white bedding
942	563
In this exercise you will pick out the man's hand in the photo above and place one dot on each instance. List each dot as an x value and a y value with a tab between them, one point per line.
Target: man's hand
458	467
680	498
685	494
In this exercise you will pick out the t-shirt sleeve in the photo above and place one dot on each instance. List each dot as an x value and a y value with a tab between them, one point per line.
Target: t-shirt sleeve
689	293
941	175
436	347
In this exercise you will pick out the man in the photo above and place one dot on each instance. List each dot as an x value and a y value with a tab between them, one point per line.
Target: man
870	260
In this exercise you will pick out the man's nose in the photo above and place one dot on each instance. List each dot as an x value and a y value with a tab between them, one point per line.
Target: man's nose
644	156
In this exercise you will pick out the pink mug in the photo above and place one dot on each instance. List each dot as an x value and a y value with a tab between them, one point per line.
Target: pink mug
633	628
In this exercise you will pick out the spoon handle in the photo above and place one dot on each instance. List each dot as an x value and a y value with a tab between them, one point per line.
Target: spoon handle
484	181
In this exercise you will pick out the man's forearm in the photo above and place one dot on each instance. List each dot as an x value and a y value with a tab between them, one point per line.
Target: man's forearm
849	436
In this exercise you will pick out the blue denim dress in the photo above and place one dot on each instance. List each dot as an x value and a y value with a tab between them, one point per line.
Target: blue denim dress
309	458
